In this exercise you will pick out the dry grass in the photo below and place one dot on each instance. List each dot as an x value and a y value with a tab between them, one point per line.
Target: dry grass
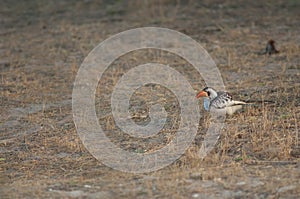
42	46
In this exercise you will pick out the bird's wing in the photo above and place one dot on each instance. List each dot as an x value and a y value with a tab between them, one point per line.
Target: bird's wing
224	100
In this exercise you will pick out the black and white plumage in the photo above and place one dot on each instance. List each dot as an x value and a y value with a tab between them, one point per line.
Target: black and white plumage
219	101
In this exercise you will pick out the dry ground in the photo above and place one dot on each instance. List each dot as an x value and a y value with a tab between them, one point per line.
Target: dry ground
42	46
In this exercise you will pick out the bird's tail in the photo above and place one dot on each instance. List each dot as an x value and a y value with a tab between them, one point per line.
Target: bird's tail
239	103
252	102
260	102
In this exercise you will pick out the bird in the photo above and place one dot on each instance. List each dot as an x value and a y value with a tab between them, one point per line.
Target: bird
270	48
219	101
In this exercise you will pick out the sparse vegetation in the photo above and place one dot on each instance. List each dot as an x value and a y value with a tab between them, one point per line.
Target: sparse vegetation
42	46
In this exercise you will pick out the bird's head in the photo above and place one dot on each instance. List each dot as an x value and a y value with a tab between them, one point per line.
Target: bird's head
271	41
207	92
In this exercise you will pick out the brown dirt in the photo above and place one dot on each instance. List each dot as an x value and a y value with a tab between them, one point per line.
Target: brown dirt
42	46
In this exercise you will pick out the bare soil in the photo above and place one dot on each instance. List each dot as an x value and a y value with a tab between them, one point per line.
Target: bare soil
42	46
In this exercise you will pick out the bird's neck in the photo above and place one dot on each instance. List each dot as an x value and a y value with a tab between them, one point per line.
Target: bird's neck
213	95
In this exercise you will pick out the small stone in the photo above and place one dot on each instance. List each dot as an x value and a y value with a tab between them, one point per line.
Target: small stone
286	188
196	176
241	183
62	155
